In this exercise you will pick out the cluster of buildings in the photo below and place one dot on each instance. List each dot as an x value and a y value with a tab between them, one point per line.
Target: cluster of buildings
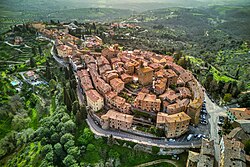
203	159
165	89
231	152
231	147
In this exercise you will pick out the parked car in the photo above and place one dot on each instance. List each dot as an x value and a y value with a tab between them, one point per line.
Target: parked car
204	122
171	140
189	137
204	111
203	116
175	157
220	123
221	119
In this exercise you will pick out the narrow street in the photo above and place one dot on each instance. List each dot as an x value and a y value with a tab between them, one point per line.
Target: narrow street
214	111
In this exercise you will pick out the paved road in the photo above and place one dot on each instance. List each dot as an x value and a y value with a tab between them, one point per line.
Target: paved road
157	162
60	61
139	139
214	111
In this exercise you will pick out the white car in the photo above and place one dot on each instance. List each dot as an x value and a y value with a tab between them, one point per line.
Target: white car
171	140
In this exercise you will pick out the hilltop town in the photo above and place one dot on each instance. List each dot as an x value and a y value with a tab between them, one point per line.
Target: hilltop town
131	98
119	83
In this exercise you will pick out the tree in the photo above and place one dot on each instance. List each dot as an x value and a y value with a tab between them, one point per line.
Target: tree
34	51
46	149
40	50
69	161
79	117
244	100
70	143
75	107
66	137
75	151
69	126
55	138
19	122
87	137
58	149
90	147
113	154
83	111
49	156
247	147
227	97
52	84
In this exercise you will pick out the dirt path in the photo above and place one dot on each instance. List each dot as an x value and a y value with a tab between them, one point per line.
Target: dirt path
157	162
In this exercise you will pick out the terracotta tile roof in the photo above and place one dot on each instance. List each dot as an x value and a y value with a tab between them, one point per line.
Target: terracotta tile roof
184	92
104	68
119	101
93	95
170	73
110	95
86	83
178	69
155	66
140	96
169	95
102	61
165	118
146	69
150	97
112	114
186	76
88	59
115	60
126	77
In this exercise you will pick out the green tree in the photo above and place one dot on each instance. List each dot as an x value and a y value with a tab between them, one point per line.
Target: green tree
55	138
73	151
69	126
244	100
87	137
90	147
227	97
34	51
66	137
59	152
40	50
19	122
247	147
46	149
69	161
69	144
75	107
52	84
113	154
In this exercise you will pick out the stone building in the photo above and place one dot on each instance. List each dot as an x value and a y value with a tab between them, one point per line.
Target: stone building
174	125
116	120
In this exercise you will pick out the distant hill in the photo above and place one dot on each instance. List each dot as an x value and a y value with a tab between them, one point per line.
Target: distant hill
138	5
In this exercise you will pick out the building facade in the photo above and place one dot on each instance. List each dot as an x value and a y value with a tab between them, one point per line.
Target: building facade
116	120
174	125
94	100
